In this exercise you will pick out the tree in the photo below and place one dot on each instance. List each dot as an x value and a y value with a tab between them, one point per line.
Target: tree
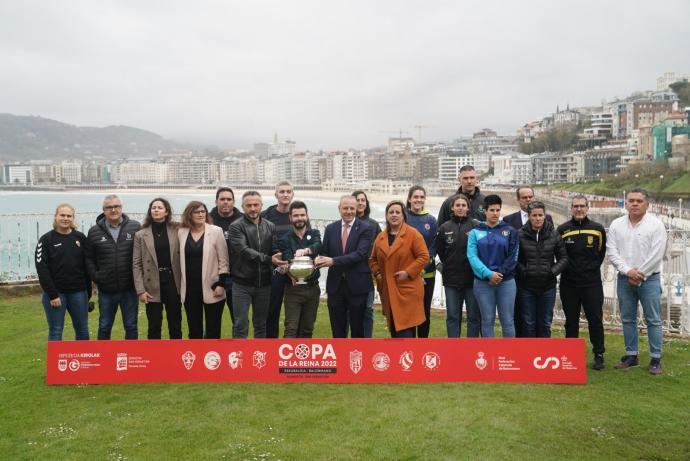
682	90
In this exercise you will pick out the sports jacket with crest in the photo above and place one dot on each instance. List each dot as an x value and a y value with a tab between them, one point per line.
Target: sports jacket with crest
585	242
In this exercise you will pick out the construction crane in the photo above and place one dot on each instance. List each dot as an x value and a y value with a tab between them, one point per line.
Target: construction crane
419	131
398	131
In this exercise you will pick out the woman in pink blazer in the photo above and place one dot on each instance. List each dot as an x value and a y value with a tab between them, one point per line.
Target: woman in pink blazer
204	268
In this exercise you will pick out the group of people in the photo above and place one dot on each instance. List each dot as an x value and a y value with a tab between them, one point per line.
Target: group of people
241	258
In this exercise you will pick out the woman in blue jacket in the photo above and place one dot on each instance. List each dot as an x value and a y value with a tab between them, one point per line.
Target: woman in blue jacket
492	249
425	224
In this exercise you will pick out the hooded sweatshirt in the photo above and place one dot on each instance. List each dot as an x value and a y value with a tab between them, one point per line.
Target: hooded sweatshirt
493	249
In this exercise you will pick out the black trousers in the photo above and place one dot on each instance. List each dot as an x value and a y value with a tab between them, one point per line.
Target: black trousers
344	307
195	309
170	301
423	329
517	313
591	299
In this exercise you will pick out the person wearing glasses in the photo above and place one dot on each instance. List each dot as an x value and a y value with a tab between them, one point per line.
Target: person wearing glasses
581	286
109	251
541	258
203	270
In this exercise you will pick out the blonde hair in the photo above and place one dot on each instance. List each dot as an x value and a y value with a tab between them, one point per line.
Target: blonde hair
57	210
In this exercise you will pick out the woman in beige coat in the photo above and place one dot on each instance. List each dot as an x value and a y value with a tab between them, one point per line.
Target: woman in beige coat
156	269
204	268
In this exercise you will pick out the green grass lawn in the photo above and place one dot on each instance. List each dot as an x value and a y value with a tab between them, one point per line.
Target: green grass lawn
617	415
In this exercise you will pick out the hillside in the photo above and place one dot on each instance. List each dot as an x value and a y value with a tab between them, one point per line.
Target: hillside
29	137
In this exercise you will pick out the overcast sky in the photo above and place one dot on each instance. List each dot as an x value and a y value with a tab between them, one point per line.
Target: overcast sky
329	74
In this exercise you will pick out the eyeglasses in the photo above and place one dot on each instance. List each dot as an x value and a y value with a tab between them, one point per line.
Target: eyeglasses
199	212
579	206
112	207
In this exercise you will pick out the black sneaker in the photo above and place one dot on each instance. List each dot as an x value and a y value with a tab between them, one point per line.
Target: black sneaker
655	366
598	362
627	361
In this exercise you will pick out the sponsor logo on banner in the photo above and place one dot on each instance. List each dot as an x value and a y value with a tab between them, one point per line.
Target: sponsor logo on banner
188	359
406	361
74	365
259	359
548	362
355	361
212	360
381	361
481	361
305	359
62	364
121	361
235	360
431	361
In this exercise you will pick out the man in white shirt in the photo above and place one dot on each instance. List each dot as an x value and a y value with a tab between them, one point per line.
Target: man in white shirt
636	246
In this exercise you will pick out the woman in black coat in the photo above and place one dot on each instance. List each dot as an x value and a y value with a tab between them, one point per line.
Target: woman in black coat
541	258
458	278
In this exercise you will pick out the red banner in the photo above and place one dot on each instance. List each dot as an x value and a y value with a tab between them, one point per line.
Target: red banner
318	360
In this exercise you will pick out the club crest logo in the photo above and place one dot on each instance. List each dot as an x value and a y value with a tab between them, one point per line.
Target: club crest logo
121	361
381	361
481	362
506	233
212	360
62	364
590	240
235	360
355	361
188	359
406	361
431	361
259	359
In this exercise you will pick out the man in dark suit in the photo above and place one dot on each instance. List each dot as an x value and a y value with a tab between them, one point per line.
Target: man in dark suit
345	251
525	196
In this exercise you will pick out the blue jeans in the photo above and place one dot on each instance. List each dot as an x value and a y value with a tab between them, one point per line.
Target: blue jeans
369	316
77	304
454	299
649	295
499	297
537	312
107	307
242	297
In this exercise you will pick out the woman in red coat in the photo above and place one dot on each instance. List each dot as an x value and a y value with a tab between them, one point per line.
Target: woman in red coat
397	260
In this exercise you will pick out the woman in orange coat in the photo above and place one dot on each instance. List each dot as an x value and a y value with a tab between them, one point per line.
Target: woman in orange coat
397	260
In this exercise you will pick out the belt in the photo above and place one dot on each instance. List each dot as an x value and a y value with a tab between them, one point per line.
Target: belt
164	269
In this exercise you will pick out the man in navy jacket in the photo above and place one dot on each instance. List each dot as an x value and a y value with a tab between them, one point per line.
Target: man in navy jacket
345	251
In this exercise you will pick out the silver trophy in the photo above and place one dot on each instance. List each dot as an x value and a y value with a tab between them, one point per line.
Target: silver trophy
301	268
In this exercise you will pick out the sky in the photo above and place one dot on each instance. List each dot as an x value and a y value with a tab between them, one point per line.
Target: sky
329	74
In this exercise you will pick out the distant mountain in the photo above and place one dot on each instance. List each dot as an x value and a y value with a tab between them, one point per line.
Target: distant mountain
28	137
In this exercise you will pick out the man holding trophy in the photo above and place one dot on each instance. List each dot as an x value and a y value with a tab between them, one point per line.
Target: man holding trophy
298	248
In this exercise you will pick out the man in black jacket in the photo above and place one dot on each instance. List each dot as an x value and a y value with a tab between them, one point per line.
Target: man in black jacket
252	243
223	214
279	215
581	286
109	248
468	188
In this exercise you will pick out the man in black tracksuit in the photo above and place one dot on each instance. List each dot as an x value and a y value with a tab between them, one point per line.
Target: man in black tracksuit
581	286
223	214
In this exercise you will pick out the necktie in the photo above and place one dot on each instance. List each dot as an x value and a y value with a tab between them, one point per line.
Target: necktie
346	233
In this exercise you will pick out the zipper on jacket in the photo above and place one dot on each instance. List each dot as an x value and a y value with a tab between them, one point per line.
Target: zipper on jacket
258	237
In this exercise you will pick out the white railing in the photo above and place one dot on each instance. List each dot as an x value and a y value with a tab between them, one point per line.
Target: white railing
19	234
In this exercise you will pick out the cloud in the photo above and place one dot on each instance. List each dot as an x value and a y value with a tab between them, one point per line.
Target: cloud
328	74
